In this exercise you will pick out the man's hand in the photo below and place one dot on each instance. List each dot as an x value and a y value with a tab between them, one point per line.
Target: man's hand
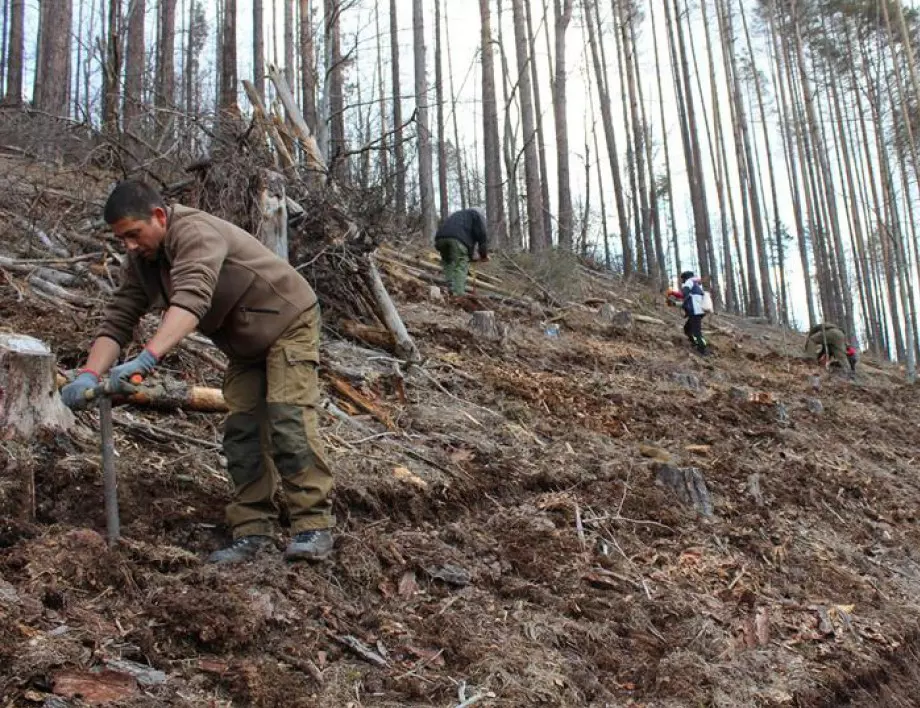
120	376
74	393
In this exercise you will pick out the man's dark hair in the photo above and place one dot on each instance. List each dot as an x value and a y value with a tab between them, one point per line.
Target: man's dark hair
132	199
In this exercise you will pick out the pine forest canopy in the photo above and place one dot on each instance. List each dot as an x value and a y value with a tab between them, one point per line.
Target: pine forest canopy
770	145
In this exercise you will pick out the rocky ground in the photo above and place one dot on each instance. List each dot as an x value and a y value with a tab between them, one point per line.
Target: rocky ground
509	539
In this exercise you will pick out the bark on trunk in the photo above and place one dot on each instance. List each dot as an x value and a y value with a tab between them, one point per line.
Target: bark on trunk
495	205
16	50
533	197
135	68
425	171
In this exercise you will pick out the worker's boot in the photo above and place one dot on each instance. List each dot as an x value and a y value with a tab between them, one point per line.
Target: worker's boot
310	546
242	549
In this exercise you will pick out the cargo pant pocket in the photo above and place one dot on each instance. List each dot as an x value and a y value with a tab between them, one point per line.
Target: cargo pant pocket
243	448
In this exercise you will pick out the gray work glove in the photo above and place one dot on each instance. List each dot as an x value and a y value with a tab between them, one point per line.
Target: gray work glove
120	376
74	393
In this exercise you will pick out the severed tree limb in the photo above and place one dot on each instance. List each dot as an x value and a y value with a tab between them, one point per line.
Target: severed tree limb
172	395
258	105
315	162
405	347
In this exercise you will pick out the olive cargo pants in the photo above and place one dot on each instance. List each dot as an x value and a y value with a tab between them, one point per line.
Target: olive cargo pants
455	260
271	435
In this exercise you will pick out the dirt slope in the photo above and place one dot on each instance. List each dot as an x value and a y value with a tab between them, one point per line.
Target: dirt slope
506	541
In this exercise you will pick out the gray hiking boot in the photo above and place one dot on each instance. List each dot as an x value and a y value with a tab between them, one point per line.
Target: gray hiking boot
310	546
242	549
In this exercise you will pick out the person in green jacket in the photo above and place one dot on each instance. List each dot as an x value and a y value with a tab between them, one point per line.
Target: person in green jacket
212	276
455	240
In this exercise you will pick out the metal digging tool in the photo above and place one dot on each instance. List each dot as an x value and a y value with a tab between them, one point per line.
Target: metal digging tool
103	392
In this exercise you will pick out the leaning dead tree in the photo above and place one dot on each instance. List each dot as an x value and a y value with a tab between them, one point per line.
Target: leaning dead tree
279	169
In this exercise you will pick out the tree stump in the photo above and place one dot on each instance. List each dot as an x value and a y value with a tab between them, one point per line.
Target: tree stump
273	214
606	314
689	485
28	389
483	325
29	404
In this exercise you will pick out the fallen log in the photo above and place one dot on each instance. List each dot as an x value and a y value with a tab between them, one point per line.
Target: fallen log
429	264
432	275
479	279
374	336
405	347
345	389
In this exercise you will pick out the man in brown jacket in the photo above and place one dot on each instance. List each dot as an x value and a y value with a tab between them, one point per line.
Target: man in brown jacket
212	276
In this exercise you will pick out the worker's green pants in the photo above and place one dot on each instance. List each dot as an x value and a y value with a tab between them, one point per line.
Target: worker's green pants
271	435
455	260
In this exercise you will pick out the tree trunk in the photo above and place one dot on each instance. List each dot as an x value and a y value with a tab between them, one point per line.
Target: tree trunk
439	93
667	148
258	46
135	68
228	87
14	64
165	94
509	150
821	153
746	166
593	25
563	16
53	95
458	151
338	147
308	65
640	138
689	134
290	68
398	149
384	154
541	142
495	204
786	127
425	171
4	38
111	89
777	224
535	232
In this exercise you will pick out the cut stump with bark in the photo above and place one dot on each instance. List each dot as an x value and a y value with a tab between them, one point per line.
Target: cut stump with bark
29	401
483	325
29	405
688	484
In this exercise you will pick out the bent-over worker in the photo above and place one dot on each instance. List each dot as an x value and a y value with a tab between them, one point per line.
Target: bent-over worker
828	344
455	240
215	277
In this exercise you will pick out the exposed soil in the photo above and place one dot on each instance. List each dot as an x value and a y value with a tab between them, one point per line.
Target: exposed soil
509	540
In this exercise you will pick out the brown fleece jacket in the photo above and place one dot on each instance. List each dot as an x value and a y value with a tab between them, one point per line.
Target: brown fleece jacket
243	295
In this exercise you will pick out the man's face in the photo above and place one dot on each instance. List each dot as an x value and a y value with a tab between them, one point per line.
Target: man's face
142	236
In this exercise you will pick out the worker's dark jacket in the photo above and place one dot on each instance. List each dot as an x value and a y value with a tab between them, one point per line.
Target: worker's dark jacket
468	227
243	294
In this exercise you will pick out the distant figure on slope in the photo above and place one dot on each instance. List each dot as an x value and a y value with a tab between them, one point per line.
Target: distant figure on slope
828	344
696	305
455	240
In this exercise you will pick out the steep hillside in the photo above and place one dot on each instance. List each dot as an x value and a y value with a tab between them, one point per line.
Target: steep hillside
506	536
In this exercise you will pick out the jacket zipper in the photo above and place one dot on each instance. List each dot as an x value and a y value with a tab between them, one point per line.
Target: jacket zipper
260	310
